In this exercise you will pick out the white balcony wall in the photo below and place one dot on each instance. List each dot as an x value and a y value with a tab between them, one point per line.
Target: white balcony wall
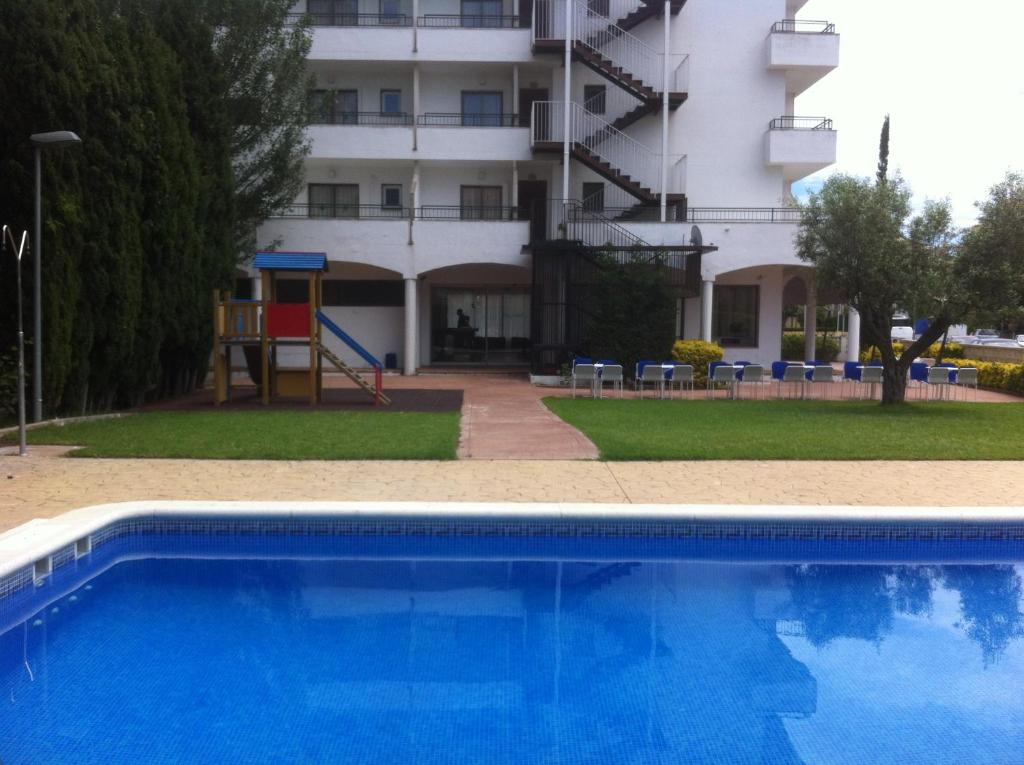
361	44
361	142
468	143
805	57
483	45
800	152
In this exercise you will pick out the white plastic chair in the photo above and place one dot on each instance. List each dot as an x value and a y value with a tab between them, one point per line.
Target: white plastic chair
869	378
610	373
655	375
682	374
724	373
584	373
752	374
822	374
967	377
793	374
938	380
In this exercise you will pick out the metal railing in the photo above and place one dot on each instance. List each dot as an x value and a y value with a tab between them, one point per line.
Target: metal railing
743	215
600	34
352	19
341	210
789	122
461	21
567	219
804	27
624	154
468	213
437	119
378	119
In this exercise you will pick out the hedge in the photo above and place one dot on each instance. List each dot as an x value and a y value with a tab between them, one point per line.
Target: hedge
826	347
953	351
996	375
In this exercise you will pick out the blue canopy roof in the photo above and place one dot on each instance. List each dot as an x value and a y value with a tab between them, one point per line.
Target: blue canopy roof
291	261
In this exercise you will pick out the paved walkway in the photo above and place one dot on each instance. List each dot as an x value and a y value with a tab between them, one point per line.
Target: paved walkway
44	484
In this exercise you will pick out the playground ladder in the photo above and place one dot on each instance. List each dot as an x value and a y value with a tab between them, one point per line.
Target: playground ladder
352	374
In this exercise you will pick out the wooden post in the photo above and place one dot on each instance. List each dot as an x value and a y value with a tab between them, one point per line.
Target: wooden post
264	339
313	372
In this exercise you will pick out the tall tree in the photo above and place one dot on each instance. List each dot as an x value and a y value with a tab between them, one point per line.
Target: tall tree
883	153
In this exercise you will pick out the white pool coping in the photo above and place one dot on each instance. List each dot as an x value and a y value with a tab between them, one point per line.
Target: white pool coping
37	539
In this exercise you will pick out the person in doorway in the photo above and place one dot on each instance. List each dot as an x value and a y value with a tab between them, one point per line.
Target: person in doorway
463	319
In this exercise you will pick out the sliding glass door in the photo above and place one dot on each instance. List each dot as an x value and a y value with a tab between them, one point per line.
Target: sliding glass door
484	326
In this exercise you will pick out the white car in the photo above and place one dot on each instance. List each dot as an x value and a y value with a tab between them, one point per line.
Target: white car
902	333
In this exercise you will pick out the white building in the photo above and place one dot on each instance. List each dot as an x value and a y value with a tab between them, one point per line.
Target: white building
441	143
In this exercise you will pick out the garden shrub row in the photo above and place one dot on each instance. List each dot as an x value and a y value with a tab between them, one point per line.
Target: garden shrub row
826	347
952	352
698	354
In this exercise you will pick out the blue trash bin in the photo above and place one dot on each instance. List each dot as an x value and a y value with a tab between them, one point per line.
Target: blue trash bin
391	361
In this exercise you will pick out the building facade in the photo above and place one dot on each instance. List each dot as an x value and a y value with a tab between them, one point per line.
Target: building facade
452	136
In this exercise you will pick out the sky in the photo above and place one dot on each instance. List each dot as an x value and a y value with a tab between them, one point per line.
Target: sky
950	75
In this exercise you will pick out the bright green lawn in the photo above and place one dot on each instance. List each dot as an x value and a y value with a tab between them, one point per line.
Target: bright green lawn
804	430
272	435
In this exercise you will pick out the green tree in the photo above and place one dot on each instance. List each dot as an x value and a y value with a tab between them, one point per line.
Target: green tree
992	259
882	174
870	252
636	313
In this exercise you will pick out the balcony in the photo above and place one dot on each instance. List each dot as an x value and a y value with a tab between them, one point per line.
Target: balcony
800	145
380	212
805	50
429	37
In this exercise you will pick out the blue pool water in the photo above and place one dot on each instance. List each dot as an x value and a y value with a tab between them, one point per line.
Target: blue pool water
404	655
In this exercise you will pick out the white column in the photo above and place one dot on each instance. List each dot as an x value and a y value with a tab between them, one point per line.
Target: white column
707	295
664	112
567	99
810	321
409	359
415	104
852	334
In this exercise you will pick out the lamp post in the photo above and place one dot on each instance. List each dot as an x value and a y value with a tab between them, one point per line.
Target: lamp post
5	236
40	141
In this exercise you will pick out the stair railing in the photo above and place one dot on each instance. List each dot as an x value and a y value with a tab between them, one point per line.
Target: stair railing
625	155
568	219
600	34
612	103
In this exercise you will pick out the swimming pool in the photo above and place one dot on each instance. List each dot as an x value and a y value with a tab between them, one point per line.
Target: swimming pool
546	637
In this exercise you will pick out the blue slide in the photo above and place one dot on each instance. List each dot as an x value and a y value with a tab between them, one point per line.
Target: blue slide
346	338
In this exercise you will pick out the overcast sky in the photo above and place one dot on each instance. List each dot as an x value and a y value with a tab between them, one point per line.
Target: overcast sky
950	74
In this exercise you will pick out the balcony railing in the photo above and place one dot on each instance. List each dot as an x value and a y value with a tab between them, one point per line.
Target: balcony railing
352	19
468	212
789	122
363	118
459	21
742	215
799	26
436	119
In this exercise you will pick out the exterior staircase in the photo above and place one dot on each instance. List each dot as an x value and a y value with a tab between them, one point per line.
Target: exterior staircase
647	10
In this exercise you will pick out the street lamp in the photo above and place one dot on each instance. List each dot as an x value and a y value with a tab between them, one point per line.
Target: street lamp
7	236
53	140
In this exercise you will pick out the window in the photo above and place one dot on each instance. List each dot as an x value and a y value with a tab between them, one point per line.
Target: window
481	13
333	107
391	197
481	108
391	107
593	197
734	315
593	98
481	203
390	13
364	292
333	200
340	13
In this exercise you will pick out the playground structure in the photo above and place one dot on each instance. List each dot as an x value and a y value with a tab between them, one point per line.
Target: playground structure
261	328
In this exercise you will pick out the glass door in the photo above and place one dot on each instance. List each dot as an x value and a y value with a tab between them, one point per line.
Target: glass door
480	326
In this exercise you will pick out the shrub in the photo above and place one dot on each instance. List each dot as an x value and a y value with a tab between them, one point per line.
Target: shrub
698	354
826	347
996	375
953	351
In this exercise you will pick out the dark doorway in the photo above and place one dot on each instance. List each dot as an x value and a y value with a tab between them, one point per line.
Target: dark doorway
532	207
525	13
526	98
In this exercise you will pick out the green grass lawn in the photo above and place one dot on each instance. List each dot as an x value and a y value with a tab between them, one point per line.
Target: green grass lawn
271	435
801	430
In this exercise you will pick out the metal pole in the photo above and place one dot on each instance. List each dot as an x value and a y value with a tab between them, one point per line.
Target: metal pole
22	437
567	101
37	288
664	112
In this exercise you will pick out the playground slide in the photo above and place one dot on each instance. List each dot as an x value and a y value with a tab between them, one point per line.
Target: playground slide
346	338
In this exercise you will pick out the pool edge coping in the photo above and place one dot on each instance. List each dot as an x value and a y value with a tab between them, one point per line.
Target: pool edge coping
34	540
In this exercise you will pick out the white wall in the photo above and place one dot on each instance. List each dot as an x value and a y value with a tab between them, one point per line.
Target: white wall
379	329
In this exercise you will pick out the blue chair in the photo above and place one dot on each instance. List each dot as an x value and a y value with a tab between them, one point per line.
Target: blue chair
581	360
778	369
669	367
714	365
952	370
919	375
852	371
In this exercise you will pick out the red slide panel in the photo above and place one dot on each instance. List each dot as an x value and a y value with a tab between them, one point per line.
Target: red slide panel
288	319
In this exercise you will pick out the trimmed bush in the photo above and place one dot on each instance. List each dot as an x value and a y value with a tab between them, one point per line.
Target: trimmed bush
826	347
953	351
996	375
698	354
